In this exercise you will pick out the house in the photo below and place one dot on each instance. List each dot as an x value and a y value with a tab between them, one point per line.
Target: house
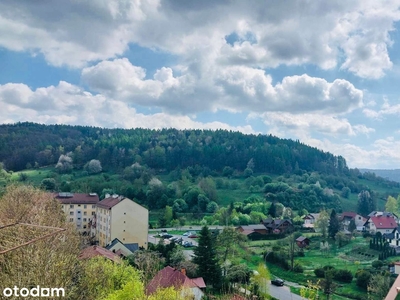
121	218
169	277
118	247
384	213
393	239
309	220
253	231
278	226
94	251
302	241
383	224
348	216
79	209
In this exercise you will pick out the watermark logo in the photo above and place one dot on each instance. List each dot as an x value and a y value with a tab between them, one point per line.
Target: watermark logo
33	292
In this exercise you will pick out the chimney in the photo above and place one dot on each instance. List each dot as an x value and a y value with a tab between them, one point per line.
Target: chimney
183	271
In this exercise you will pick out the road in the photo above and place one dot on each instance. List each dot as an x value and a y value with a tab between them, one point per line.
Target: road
282	293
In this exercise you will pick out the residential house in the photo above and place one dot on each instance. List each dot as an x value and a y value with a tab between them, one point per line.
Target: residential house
169	277
302	242
94	251
380	223
121	218
309	220
79	209
278	226
347	216
393	238
120	248
253	231
384	214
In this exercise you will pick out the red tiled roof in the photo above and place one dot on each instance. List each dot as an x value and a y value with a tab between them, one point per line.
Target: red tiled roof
349	214
75	198
94	251
382	222
108	202
199	281
169	276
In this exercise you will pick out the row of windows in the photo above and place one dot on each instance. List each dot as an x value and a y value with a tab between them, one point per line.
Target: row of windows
84	206
71	213
72	219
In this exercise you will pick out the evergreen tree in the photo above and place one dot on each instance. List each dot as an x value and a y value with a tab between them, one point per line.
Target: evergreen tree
334	225
272	210
205	256
352	226
366	203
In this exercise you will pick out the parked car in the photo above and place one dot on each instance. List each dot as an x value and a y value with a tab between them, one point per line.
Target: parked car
167	236
187	244
277	282
193	236
164	230
187	233
174	238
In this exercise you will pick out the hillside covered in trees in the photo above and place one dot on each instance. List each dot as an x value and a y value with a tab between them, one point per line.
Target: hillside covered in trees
167	149
197	172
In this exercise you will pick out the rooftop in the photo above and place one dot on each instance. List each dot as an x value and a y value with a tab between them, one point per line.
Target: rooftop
77	198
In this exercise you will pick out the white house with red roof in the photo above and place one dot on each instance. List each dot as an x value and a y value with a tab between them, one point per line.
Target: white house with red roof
381	223
171	277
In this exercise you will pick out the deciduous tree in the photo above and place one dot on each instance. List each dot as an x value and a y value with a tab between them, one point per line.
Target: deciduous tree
322	223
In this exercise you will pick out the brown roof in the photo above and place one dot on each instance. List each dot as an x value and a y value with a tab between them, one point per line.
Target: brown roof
76	198
169	276
94	251
301	239
109	202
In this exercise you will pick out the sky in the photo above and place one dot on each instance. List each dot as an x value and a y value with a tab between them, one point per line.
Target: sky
325	73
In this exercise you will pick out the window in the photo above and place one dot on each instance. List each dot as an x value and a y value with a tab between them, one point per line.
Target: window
79	205
71	206
71	219
124	230
93	213
84	226
79	219
85	213
93	206
124	213
84	219
85	206
71	213
62	206
79	211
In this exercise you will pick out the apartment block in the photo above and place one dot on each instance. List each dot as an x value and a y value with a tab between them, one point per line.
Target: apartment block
79	209
121	218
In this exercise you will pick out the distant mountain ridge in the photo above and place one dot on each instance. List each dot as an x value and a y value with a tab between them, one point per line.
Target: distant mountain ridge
393	175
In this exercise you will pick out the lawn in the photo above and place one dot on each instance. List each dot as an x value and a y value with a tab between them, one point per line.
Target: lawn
34	176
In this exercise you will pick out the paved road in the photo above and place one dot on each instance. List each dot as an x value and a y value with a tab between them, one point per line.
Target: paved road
154	239
282	293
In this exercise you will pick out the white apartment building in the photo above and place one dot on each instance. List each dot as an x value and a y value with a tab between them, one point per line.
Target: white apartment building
79	209
121	218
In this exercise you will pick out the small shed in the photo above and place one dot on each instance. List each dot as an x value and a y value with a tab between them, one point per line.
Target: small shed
302	241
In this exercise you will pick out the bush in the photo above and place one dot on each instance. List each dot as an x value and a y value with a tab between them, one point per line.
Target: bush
320	273
343	276
363	277
377	264
298	268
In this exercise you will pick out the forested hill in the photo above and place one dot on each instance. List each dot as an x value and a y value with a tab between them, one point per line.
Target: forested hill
30	144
